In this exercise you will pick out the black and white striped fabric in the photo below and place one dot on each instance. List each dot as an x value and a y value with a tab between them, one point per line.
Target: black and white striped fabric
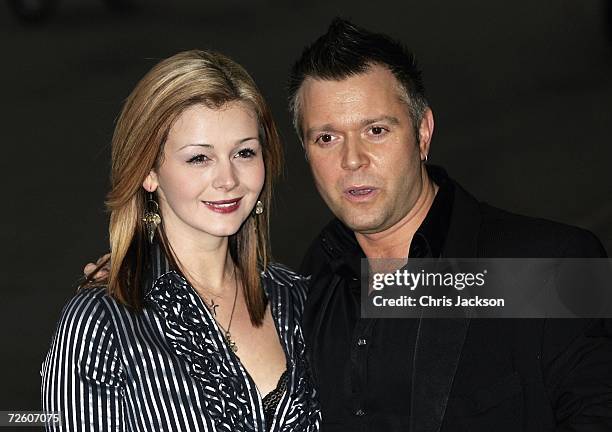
169	368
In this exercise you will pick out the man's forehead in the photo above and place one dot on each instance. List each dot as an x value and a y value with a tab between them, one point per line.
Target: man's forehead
376	84
343	92
352	97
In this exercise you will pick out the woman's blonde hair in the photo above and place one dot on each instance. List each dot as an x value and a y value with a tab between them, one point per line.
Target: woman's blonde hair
181	81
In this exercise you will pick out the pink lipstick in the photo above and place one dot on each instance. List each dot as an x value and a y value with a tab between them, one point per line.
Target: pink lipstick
223	206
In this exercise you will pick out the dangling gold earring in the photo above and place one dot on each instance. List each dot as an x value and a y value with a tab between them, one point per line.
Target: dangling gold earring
259	207
151	218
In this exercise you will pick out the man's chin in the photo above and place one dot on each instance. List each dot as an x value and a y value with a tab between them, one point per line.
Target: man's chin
361	223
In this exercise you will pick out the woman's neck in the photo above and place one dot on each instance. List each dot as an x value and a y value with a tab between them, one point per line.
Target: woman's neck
204	260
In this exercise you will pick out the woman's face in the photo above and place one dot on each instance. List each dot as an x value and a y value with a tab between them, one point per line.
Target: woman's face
212	171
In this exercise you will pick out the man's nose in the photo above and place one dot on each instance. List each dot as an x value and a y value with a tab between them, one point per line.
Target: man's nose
354	155
225	176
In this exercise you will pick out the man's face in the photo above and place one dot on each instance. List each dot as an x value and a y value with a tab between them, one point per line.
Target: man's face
362	149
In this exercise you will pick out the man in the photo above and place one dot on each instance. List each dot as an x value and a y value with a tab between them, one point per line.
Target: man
360	110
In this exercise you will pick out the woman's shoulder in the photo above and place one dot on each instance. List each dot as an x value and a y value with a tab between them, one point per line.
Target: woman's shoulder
86	298
282	278
284	273
84	346
89	305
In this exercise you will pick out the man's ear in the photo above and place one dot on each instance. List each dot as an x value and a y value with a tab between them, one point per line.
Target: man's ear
150	183
426	132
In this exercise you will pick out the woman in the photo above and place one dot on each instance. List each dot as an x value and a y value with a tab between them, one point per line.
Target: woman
195	330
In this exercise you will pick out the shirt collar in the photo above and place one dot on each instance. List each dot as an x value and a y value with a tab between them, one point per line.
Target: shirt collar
429	239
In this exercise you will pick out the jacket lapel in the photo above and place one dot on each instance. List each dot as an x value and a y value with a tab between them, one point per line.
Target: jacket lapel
440	341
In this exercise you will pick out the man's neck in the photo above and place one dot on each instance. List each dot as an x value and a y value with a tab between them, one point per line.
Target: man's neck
394	242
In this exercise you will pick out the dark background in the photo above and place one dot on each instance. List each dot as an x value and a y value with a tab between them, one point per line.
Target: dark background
521	93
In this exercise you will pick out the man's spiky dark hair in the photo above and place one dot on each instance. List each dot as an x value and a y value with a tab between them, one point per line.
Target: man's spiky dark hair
347	50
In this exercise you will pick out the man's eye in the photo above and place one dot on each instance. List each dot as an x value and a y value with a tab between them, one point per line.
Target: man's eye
377	130
246	153
198	159
324	138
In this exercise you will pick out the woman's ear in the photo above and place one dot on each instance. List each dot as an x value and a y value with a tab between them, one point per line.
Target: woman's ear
150	183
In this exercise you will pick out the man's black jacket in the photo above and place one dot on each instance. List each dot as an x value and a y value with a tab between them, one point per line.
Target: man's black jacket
490	374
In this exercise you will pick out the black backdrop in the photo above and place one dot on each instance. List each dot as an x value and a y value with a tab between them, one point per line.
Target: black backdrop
521	92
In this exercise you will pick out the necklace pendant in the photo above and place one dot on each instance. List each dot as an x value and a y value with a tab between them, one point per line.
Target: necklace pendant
214	307
230	341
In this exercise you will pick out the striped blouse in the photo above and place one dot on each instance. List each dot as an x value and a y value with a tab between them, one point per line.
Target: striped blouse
168	367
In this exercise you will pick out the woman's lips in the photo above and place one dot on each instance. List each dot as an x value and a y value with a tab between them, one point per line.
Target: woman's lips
360	193
223	206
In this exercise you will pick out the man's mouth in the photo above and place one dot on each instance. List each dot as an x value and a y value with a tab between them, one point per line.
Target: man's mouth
360	193
223	206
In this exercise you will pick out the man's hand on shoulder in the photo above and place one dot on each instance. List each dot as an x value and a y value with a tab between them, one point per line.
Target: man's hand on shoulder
98	271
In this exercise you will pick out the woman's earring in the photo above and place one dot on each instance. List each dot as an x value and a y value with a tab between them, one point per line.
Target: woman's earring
151	218
259	207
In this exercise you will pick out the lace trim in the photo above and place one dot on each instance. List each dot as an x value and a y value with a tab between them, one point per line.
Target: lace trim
272	399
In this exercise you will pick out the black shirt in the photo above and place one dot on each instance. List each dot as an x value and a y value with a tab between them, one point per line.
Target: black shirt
469	375
372	393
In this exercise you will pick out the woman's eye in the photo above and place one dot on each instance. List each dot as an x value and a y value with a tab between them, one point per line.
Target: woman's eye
198	159
246	153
